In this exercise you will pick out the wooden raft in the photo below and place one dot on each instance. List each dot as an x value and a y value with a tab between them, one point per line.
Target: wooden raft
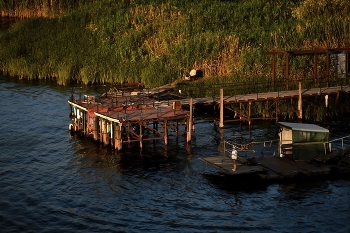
225	165
280	168
268	167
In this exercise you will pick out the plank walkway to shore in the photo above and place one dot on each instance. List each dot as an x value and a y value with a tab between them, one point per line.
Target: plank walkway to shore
269	95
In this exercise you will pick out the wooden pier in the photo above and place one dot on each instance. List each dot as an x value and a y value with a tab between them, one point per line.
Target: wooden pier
115	118
118	117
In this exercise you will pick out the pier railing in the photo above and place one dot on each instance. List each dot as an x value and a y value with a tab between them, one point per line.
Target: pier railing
261	148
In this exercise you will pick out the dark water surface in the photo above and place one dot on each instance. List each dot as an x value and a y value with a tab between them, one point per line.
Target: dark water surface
51	181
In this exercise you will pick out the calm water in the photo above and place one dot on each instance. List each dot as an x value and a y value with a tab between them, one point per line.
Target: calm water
51	181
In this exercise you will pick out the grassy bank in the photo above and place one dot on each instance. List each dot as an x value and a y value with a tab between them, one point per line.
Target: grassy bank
157	42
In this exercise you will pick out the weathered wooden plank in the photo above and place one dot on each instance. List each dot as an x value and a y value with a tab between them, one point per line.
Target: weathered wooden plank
268	167
225	165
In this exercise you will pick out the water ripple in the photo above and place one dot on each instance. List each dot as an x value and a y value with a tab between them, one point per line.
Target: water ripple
51	181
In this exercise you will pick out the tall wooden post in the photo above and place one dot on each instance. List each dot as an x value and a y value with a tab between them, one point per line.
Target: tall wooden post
105	133
96	128
189	123
240	111
118	137
249	112
287	72
221	124
326	103
111	134
276	101
300	104
273	65
165	131
141	136
101	130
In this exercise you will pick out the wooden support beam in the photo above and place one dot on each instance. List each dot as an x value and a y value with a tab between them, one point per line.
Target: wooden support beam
315	68
96	128
300	104
165	131
101	130
287	71
221	124
189	125
118	137
105	132
141	133
326	103
249	112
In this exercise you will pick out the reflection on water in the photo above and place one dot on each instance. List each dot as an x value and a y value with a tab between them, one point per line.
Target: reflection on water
53	181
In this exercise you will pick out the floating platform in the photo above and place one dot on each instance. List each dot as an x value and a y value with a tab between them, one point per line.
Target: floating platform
225	165
279	168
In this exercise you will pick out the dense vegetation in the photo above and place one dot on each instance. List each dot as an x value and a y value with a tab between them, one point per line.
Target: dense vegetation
156	42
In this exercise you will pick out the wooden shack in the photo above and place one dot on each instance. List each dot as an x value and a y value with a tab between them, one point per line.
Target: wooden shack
301	141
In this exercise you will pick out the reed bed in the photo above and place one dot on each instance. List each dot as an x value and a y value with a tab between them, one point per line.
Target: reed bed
158	42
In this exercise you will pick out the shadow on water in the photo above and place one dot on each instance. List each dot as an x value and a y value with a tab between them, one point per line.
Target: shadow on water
237	183
150	158
252	183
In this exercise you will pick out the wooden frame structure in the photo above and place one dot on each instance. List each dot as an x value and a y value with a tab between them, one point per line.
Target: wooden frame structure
117	119
315	52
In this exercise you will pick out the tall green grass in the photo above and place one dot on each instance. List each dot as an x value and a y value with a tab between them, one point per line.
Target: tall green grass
157	42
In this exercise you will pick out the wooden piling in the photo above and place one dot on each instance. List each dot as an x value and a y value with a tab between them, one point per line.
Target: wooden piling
141	134
165	132
96	127
300	104
104	132
118	137
101	130
249	112
221	124
326	103
189	125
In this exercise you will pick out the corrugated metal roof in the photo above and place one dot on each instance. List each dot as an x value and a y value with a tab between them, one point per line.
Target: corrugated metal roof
304	127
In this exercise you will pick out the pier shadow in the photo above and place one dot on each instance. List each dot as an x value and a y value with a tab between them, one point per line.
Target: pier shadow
250	182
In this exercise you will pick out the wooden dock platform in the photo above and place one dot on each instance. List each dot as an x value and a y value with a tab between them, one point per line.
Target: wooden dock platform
275	168
225	165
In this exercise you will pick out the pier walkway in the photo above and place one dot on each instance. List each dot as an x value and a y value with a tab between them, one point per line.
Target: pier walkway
116	117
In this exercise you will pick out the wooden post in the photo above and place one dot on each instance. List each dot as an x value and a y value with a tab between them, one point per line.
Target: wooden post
189	125
273	65
300	104
287	71
326	102
221	124
249	112
327	67
165	131
240	111
111	134
101	130
140	136
96	128
118	137
104	131
276	110
315	68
